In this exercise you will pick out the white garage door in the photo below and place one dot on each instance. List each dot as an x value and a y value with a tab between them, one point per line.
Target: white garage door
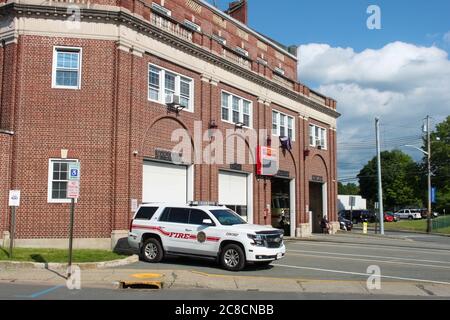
233	191
164	183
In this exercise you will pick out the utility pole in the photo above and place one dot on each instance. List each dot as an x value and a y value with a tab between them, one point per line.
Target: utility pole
429	225
380	186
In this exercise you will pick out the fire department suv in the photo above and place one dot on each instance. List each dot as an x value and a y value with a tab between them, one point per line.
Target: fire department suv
203	231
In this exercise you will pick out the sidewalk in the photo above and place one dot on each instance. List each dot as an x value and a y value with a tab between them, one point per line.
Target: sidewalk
182	279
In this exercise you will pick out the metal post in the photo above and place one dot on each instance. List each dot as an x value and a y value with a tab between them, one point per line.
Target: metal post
13	229
380	186
429	225
72	214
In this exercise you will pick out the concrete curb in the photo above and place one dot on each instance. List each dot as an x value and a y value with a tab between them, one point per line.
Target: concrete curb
81	265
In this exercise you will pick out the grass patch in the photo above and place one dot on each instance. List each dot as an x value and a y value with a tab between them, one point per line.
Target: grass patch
59	255
414	225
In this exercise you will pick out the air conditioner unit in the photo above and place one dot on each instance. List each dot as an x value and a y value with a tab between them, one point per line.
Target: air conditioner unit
173	100
279	71
242	51
262	61
219	39
192	26
319	144
160	9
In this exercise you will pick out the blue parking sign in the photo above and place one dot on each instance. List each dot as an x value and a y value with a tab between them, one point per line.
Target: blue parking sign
433	195
74	171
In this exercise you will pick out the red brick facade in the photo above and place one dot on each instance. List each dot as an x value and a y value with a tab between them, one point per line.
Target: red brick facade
110	117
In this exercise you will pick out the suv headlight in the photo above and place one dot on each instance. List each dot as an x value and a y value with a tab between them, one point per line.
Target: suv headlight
257	239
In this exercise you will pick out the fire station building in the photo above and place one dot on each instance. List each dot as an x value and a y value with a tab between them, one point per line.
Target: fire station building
106	83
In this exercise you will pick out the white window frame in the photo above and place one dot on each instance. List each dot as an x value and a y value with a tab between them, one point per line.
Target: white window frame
54	66
276	132
162	86
323	134
241	109
50	180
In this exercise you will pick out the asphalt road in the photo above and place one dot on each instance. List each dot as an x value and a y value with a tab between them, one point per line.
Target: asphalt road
346	258
342	258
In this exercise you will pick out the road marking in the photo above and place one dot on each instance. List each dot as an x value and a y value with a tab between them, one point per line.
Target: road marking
278	278
40	293
369	256
372	260
361	274
375	247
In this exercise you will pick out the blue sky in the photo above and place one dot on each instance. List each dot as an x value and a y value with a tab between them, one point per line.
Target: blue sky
400	73
343	22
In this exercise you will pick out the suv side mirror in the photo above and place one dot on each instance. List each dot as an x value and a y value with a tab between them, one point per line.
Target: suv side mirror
208	222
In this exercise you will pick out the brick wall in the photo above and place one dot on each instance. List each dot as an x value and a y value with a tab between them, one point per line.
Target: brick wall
103	124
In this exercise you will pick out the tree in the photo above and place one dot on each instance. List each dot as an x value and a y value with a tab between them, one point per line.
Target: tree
400	177
440	164
348	189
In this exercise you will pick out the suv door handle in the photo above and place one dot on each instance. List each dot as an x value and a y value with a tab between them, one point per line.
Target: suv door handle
188	230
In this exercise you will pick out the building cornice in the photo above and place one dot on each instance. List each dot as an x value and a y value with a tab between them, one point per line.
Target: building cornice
130	21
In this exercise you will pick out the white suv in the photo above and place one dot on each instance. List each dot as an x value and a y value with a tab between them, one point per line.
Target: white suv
409	214
203	231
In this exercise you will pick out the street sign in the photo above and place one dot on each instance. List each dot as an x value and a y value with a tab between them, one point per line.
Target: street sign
74	171
433	195
73	189
14	198
352	201
377	205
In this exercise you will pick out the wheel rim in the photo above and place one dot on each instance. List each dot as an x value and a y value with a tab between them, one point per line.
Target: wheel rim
151	251
231	258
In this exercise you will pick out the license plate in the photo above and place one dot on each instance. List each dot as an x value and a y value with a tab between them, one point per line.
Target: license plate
279	256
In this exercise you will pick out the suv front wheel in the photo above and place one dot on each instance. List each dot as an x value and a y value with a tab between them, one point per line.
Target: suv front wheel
152	251
232	257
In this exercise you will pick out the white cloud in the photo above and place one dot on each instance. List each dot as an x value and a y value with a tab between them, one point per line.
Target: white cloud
446	37
400	82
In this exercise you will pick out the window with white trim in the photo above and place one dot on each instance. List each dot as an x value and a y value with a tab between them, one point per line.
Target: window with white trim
58	177
66	73
236	109
317	136
283	125
162	84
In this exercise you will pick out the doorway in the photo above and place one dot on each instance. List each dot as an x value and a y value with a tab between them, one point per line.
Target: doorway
283	203
316	205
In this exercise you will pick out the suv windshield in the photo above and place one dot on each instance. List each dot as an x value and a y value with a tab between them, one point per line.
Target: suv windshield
227	217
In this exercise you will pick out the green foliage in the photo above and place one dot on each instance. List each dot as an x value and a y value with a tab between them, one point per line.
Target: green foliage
348	189
440	164
400	176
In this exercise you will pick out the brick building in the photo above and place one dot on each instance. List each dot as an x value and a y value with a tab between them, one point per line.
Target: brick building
90	81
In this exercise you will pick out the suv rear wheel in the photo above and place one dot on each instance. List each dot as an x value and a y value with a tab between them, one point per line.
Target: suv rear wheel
232	257
152	251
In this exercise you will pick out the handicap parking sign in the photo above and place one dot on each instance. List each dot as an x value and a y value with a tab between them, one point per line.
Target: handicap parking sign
74	171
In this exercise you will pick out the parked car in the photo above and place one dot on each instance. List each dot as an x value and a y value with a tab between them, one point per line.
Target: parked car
345	224
208	231
424	214
411	214
390	217
358	216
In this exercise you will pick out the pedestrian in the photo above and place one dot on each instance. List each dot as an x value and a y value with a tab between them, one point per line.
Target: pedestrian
325	225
